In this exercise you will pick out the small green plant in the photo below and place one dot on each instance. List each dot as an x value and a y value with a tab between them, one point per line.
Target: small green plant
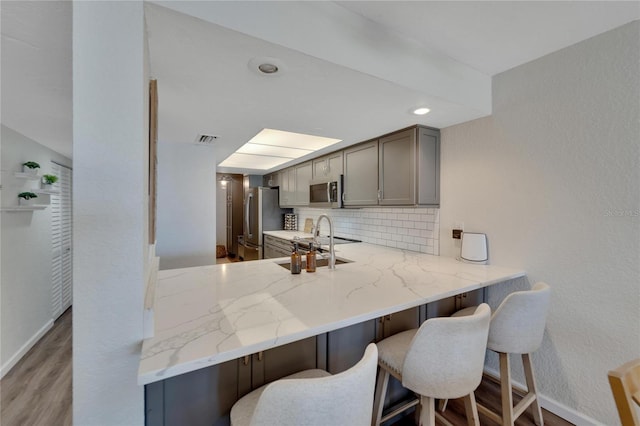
31	165
27	195
49	179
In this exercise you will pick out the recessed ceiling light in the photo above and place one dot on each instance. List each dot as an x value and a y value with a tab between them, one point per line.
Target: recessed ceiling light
421	111
268	68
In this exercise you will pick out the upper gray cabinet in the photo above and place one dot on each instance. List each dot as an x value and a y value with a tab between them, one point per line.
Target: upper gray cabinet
407	172
397	167
328	166
303	175
361	175
428	166
294	185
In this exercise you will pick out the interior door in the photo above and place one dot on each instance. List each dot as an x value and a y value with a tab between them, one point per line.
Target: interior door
62	249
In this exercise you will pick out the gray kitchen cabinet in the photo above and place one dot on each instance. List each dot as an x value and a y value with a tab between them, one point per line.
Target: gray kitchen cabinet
294	185
303	175
397	168
204	397
285	194
428	173
275	247
328	166
346	346
281	361
271	180
200	398
361	175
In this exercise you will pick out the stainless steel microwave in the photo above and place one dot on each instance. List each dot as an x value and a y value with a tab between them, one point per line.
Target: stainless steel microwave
326	192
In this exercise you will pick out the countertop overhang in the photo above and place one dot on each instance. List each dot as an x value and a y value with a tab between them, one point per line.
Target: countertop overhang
212	314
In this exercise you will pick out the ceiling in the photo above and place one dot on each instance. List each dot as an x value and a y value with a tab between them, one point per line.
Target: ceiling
351	70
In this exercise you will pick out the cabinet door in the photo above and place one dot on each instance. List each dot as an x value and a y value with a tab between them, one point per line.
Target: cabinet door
397	163
320	167
346	346
201	397
428	166
361	175
303	174
284	192
281	361
335	164
270	180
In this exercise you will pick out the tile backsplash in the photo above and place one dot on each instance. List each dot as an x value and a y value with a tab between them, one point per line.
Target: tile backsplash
416	229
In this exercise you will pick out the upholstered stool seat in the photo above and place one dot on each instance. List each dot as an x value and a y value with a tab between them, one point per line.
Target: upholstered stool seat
313	398
442	359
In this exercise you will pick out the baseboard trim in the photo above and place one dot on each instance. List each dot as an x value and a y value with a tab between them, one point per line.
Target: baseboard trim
25	348
551	405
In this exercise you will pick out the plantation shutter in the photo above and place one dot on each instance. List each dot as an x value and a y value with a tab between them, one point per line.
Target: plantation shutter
62	249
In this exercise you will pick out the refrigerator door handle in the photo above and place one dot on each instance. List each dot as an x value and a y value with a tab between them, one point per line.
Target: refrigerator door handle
247	216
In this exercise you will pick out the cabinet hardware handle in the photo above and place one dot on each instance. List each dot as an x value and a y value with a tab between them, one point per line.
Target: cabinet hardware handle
260	355
245	360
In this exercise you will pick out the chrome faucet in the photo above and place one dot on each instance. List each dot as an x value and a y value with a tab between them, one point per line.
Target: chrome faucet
332	253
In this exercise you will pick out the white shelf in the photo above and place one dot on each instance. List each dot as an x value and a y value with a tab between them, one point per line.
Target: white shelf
45	191
29	176
24	208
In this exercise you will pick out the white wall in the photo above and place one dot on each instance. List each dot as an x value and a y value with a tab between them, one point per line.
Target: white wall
110	152
553	178
186	205
25	290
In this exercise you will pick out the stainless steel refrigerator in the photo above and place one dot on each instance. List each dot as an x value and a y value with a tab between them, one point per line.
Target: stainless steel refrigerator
262	212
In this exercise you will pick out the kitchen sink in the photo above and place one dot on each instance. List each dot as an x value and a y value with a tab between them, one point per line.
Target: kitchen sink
319	263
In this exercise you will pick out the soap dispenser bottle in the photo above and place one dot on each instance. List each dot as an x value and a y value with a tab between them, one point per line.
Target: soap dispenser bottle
311	258
296	260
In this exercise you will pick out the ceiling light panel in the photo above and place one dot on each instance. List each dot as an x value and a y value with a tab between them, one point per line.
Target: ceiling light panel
278	151
270	148
292	140
249	161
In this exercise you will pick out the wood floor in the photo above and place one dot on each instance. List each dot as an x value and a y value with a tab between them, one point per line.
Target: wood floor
37	391
488	394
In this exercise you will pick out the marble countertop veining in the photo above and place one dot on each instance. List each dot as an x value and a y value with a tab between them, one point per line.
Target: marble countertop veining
211	314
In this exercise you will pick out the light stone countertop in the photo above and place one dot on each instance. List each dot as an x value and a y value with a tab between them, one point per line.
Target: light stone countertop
211	314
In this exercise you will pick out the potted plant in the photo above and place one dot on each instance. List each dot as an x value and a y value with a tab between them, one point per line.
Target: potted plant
30	167
48	181
26	198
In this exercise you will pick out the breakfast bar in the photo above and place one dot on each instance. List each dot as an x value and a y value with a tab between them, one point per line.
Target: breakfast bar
224	315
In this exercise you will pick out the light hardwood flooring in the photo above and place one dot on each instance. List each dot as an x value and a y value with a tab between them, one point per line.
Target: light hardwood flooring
37	391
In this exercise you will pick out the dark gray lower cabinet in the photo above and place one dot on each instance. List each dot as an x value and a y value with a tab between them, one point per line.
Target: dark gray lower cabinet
200	398
346	346
204	397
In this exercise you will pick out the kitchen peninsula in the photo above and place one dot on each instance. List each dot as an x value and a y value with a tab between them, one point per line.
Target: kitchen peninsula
211	315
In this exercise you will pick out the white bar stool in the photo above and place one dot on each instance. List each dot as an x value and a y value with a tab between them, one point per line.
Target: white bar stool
443	358
517	327
313	398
